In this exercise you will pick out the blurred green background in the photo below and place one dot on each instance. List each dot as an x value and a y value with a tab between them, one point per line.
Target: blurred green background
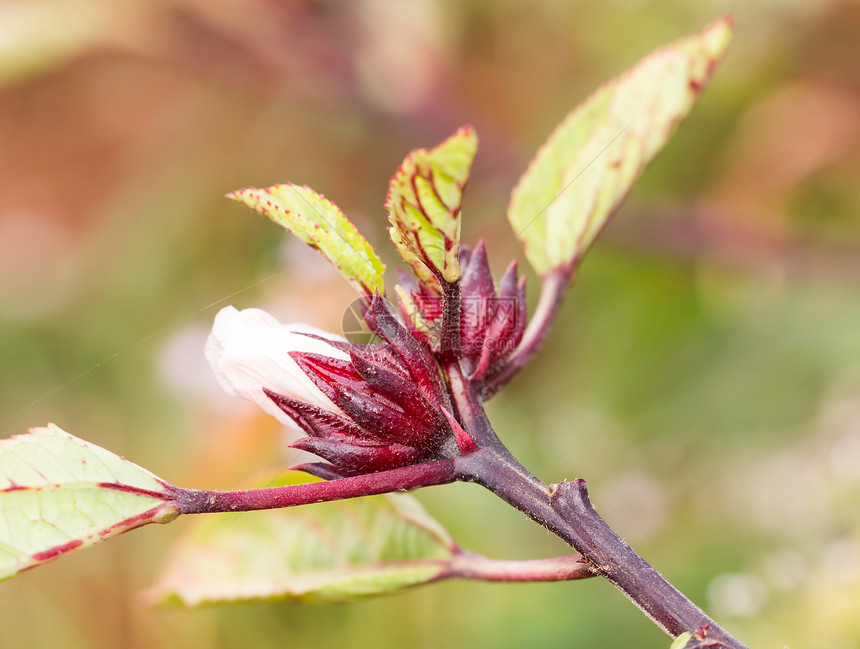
704	375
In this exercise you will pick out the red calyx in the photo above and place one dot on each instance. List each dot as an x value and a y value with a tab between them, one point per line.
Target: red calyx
392	396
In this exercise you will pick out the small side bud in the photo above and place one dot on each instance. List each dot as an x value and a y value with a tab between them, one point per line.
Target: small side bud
491	322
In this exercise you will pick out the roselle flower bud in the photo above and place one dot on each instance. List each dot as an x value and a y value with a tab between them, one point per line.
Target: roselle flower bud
250	349
365	408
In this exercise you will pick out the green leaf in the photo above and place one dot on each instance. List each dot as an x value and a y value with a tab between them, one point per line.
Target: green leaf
423	206
588	165
328	552
681	641
319	223
59	493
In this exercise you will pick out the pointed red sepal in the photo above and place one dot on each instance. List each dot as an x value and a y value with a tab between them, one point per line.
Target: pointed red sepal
415	356
506	323
464	440
315	421
328	374
354	457
380	415
395	387
379	355
324	470
477	280
378	352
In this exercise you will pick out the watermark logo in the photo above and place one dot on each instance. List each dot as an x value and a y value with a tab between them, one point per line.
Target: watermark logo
354	328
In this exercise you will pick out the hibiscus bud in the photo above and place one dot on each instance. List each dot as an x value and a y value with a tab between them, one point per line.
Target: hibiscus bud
365	408
491	322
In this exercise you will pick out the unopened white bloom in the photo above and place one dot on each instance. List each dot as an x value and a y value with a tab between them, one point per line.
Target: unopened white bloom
249	350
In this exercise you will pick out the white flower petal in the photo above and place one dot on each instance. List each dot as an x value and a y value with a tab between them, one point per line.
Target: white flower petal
249	350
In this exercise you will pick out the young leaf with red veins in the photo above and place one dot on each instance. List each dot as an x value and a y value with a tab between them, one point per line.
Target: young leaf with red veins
589	163
319	223
423	206
59	493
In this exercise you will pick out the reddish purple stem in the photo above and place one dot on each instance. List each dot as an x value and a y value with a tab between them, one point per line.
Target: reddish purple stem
466	565
566	511
201	501
628	571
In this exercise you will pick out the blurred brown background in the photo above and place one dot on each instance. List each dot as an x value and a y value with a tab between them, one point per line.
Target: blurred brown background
704	376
